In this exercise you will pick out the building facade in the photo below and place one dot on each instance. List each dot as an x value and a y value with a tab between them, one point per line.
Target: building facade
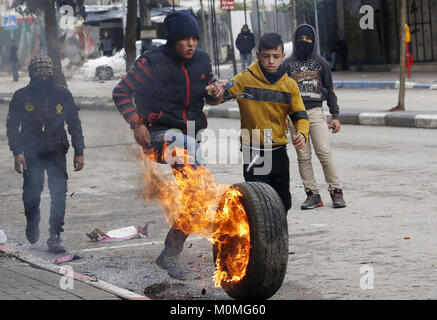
381	45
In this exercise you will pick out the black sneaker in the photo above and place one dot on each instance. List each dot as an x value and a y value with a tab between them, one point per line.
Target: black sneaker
337	199
32	229
312	201
55	244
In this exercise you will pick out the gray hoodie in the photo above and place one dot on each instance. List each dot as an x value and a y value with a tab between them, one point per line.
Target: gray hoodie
313	76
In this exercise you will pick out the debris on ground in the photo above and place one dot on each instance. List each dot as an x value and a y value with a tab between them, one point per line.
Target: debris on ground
70	257
104	72
164	290
157	288
120	234
3	238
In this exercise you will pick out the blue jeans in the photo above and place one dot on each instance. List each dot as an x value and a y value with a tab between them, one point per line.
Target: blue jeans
55	166
164	143
246	60
14	68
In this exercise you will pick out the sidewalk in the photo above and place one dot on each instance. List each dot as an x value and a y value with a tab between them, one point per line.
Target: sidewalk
24	277
342	79
365	80
361	110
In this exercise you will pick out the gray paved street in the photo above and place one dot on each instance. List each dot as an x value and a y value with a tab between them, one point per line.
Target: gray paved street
389	176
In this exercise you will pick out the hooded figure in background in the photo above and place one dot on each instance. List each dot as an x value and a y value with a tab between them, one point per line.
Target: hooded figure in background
313	76
107	45
245	43
13	59
39	143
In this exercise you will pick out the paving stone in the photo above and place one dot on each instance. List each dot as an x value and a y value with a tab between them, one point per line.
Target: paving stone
20	281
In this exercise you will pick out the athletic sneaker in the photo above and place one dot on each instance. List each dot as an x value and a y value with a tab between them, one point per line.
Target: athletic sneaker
312	201
337	199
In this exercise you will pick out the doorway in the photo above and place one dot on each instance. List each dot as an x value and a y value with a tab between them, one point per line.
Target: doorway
420	23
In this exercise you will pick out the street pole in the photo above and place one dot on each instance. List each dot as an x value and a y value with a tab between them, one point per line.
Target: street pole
214	39
264	19
276	17
256	24
293	17
124	16
317	26
205	38
245	14
234	63
147	31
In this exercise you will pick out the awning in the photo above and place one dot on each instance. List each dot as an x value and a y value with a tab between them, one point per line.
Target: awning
96	14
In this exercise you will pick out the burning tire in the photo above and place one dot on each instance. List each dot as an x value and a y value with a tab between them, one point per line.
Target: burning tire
264	255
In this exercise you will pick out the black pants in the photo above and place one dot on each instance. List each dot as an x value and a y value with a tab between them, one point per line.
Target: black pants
278	177
55	166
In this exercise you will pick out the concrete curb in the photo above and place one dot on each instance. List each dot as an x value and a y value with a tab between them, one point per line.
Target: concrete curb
382	85
393	119
45	265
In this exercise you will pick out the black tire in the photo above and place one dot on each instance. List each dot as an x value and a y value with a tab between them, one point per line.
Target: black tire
269	243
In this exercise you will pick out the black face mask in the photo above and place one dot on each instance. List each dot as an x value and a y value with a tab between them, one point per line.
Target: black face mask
43	86
304	49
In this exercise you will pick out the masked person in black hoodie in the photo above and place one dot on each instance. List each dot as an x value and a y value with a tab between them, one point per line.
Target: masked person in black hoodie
313	76
38	140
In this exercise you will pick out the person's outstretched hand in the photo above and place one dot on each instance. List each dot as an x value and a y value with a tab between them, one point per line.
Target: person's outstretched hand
142	135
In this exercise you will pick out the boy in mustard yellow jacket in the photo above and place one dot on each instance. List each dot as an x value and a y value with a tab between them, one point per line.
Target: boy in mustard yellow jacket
268	97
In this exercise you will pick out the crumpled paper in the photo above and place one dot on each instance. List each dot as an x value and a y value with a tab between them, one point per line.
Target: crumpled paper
120	234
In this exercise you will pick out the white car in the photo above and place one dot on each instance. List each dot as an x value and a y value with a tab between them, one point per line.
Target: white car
155	43
288	49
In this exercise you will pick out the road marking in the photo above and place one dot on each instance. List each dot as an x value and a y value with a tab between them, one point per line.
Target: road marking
133	245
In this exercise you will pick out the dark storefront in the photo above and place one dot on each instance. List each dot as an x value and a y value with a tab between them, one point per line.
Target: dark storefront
380	46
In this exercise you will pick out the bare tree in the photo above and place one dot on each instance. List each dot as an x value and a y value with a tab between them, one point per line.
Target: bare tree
131	33
204	37
52	41
403	50
48	9
293	16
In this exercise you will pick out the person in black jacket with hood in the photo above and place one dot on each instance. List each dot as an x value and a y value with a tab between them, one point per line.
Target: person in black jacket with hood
245	43
313	76
168	85
13	59
38	140
107	45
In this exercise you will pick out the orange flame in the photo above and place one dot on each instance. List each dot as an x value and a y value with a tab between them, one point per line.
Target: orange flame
189	201
231	238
